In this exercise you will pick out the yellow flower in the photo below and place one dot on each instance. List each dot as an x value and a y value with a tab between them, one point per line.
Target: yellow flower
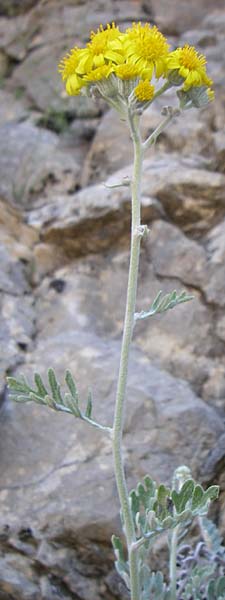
68	69
99	50
127	71
211	95
146	47
144	91
98	74
190	65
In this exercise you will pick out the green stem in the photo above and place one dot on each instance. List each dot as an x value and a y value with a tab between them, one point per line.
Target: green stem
173	563
123	370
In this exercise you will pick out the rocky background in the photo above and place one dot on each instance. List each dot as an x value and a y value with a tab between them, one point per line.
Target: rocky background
64	247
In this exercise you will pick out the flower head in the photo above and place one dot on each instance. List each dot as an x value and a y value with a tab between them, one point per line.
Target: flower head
99	50
146	47
190	65
68	69
144	91
127	71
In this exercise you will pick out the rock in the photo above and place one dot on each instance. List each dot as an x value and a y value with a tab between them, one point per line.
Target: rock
17	308
15	35
45	25
31	163
10	8
219	141
11	108
4	65
191	196
184	258
80	463
111	148
182	15
90	220
215	285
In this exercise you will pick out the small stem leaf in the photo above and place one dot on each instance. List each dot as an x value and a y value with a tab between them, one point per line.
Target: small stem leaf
50	402
197	496
71	385
38	399
55	387
181	498
220	587
88	411
20	398
202	498
211	535
40	386
156	302
118	548
163	494
162	304
17	385
72	405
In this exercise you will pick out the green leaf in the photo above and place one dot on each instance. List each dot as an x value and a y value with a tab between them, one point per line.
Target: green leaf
20	398
55	387
89	405
72	405
121	564
201	498
18	385
163	494
162	303
220	587
40	386
181	498
212	536
71	385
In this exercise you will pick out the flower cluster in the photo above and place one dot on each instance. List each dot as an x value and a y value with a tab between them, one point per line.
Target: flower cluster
122	65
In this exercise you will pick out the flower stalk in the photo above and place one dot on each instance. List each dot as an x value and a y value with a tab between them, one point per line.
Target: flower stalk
125	351
173	563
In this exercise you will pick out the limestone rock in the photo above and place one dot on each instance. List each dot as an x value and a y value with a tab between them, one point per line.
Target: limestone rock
13	7
90	220
182	15
111	148
31	162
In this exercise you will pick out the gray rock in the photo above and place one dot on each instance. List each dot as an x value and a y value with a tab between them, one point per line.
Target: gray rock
215	286
111	148
90	220
182	15
32	163
13	7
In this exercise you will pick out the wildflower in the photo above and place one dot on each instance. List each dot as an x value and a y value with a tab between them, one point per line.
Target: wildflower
146	47
190	65
99	50
98	74
68	67
127	71
144	91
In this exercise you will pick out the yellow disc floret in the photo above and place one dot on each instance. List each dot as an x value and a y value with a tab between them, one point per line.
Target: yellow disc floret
99	50
98	74
127	71
146	47
190	65
68	69
144	91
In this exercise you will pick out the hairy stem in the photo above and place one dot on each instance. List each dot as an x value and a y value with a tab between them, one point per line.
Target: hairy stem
125	350
173	563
